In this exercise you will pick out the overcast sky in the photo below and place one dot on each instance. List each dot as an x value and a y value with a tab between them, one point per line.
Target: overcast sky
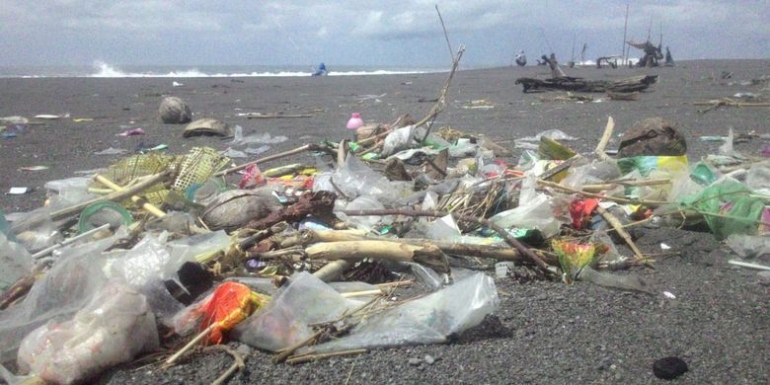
360	32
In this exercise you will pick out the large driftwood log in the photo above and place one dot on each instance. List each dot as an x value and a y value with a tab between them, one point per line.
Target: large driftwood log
428	255
309	237
631	84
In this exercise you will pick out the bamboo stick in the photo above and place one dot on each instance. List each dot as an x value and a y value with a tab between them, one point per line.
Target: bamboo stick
605	139
149	207
128	191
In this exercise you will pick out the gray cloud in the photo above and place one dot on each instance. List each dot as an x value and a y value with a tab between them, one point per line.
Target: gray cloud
367	32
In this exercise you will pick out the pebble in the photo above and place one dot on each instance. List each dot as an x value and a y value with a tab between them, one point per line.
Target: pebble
415	361
429	359
764	278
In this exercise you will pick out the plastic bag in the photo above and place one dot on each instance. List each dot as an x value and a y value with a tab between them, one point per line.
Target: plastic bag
534	212
15	261
307	300
116	325
398	140
428	320
285	320
355	178
730	208
72	280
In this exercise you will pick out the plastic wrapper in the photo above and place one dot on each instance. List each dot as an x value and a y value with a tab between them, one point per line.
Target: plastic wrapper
430	319
35	230
114	327
363	202
66	192
534	212
758	178
749	246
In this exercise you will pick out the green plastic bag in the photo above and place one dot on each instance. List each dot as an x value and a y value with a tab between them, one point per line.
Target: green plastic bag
730	208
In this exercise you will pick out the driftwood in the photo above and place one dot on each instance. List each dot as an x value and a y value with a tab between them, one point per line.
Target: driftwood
627	85
623	95
308	237
429	255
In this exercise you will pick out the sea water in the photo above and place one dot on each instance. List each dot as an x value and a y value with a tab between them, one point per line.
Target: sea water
105	70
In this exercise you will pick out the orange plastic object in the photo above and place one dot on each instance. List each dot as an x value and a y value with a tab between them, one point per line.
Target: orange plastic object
230	304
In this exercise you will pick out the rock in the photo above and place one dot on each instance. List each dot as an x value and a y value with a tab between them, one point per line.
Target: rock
208	127
415	361
174	110
652	137
669	368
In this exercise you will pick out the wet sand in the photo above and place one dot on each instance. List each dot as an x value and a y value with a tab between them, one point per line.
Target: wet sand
544	332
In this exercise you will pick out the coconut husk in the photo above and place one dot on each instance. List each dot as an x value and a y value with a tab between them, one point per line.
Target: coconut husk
174	110
232	209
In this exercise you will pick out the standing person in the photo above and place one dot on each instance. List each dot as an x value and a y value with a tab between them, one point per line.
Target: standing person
669	58
521	59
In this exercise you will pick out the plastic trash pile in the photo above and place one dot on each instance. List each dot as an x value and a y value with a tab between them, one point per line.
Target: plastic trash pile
303	259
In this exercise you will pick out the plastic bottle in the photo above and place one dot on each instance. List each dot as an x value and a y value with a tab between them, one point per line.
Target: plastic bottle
355	121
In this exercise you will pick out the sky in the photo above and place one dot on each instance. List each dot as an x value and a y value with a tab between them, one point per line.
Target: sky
370	33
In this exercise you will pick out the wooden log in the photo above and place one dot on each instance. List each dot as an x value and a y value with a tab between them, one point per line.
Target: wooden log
429	255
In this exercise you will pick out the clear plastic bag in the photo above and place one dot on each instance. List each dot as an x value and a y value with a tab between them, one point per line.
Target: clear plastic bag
15	262
430	319
116	325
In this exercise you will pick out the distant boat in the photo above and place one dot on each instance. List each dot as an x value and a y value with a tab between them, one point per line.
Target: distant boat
521	59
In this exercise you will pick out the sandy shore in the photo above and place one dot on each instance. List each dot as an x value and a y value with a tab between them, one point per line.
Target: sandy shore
544	332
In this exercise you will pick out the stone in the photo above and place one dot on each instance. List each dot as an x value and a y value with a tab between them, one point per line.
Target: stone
669	368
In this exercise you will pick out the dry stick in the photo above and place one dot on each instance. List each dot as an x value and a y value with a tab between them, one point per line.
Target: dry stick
557	186
115	196
605	139
320	356
612	220
307	147
593	188
284	354
485	222
446	36
171	360
441	103
237	365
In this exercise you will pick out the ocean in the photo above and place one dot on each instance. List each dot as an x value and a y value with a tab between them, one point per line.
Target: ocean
106	70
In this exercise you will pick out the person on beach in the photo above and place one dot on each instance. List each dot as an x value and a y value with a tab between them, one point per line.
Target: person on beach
321	71
521	59
669	58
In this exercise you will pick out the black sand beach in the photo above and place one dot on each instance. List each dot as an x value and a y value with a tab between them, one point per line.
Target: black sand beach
544	332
